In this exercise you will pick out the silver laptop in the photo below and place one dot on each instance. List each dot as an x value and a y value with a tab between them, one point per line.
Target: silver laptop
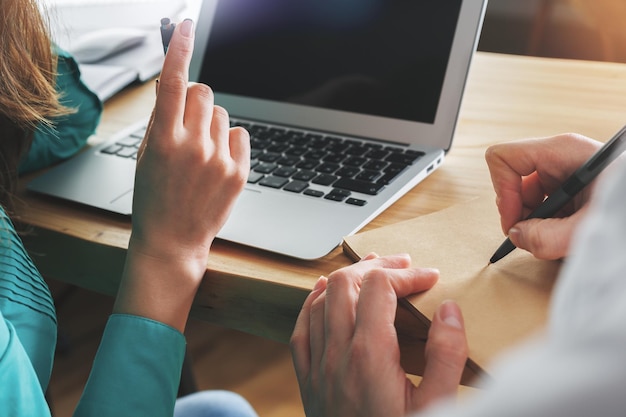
350	104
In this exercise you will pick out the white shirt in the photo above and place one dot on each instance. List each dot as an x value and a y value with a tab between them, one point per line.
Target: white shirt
578	367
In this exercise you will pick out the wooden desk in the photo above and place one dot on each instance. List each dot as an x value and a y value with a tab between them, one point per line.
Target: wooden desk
507	97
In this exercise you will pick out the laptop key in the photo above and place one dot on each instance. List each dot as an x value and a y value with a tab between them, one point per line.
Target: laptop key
127	152
256	143
390	173
129	141
356	202
268	157
112	150
334	158
415	152
375	165
347	172
285	172
288	160
314	154
273	182
254	177
313	193
265	168
307	164
367	175
296	151
363	187
402	158
355	161
337	195
296	186
327	168
324	179
304	175
356	150
277	148
377	154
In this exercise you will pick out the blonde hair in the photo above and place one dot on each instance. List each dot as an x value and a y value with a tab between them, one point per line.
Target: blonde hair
27	85
27	65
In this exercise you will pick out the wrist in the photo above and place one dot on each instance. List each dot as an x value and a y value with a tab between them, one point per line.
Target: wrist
160	284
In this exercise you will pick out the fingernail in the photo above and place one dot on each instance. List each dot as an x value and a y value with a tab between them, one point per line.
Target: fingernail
186	27
450	313
320	283
369	256
514	234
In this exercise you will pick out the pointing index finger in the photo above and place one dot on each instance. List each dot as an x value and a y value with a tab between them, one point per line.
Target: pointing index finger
170	102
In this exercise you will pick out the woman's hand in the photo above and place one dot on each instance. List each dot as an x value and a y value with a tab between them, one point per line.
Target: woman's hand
524	173
190	169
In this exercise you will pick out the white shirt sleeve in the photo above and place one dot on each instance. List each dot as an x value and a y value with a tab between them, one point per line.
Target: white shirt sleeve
578	367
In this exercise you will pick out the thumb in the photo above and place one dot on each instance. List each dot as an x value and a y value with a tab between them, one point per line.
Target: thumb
546	238
446	354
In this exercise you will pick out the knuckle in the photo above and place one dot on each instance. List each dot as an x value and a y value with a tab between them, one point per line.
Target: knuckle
380	279
203	91
220	113
317	305
173	84
341	283
296	340
493	153
376	274
236	181
239	133
221	168
242	176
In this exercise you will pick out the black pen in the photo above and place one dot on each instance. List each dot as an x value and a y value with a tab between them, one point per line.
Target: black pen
574	184
167	30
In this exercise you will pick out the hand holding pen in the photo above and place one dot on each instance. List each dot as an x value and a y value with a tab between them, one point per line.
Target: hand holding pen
525	172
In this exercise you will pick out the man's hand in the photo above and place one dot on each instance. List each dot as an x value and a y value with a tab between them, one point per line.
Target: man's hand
524	173
345	348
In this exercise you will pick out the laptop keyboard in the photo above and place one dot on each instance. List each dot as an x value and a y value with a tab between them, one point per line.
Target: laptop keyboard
127	146
309	163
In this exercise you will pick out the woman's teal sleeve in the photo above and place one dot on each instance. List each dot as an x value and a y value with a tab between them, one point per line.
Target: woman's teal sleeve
70	132
136	371
21	394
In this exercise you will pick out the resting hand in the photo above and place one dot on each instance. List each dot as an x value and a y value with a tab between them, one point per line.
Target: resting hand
345	347
525	172
190	169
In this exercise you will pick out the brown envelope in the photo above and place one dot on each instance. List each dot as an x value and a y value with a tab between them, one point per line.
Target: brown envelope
502	303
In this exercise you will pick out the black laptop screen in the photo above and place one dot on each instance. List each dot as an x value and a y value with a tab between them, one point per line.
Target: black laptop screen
380	57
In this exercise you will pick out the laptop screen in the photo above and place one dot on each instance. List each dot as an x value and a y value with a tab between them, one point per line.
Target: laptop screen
380	57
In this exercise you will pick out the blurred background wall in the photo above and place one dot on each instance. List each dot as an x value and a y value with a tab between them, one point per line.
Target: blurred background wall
577	29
